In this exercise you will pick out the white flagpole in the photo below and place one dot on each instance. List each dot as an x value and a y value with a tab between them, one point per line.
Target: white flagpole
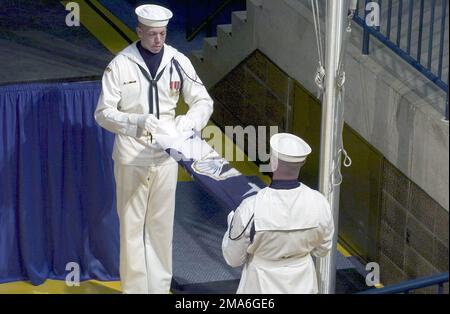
335	22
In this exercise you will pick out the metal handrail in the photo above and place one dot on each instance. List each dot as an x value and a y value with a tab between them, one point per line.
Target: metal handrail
208	20
414	58
407	286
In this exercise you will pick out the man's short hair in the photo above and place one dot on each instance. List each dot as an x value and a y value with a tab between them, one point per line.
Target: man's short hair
289	168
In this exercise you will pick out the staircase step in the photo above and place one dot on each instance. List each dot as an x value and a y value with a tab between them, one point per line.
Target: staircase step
226	28
210	48
240	15
238	20
224	33
198	54
212	41
255	2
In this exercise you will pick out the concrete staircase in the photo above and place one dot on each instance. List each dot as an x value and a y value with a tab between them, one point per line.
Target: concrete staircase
234	42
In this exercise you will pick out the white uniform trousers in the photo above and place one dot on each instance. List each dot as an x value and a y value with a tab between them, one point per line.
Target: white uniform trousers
146	206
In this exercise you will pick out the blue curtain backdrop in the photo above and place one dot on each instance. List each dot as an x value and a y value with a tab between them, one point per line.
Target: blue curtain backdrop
56	184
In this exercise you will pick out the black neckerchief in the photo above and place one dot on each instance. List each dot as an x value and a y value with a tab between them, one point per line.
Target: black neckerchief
153	89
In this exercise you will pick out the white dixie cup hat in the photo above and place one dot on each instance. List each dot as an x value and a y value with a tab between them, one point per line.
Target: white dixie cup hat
153	15
289	148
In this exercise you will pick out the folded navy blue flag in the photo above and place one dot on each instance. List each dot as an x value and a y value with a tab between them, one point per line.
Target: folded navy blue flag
208	169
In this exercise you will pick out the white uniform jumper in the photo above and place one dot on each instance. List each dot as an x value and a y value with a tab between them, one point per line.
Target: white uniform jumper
146	176
284	224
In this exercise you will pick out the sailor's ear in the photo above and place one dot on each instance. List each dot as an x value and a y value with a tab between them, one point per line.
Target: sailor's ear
139	31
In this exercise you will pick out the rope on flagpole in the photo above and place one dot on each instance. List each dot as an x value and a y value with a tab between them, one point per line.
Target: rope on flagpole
340	101
320	73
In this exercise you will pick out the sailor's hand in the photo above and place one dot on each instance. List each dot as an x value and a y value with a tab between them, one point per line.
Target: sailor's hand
149	123
184	123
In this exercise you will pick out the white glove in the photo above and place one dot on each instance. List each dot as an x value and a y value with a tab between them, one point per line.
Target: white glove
149	123
183	123
167	128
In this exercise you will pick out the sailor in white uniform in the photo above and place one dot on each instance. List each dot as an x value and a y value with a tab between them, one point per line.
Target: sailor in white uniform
275	232
140	91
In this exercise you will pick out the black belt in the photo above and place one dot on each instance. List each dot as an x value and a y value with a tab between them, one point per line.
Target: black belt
153	86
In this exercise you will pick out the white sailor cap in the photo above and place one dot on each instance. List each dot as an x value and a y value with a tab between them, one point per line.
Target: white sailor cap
289	148
153	15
